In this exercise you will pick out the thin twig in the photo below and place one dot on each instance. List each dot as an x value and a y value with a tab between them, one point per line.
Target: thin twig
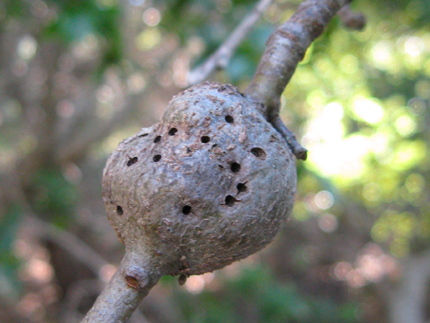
68	241
298	150
223	54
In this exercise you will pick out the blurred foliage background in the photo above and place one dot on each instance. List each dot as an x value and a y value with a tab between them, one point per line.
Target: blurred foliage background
77	77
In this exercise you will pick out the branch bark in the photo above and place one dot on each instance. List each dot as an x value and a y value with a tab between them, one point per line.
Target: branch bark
131	283
285	48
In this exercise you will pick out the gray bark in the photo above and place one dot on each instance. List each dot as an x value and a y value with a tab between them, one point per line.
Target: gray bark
131	283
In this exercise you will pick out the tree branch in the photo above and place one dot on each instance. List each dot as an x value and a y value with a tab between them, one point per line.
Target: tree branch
298	150
131	283
285	48
223	54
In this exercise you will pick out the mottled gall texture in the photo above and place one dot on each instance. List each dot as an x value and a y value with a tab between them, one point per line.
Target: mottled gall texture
210	184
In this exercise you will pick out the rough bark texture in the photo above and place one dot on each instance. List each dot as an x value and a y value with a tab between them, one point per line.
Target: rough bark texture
209	185
285	49
131	283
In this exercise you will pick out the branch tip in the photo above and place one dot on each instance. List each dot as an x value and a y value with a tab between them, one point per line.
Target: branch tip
298	150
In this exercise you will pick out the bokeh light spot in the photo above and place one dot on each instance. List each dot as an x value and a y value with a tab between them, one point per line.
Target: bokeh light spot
349	64
106	272
405	126
415	183
27	47
196	284
148	39
324	200
136	2
327	223
368	110
416	105
151	17
372	192
136	83
382	55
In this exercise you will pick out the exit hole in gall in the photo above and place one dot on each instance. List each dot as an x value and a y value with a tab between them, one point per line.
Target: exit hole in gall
230	200
259	153
173	131
241	187
186	209
235	167
229	119
131	161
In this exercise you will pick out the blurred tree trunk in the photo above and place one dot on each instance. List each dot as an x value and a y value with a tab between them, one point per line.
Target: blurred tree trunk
407	298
